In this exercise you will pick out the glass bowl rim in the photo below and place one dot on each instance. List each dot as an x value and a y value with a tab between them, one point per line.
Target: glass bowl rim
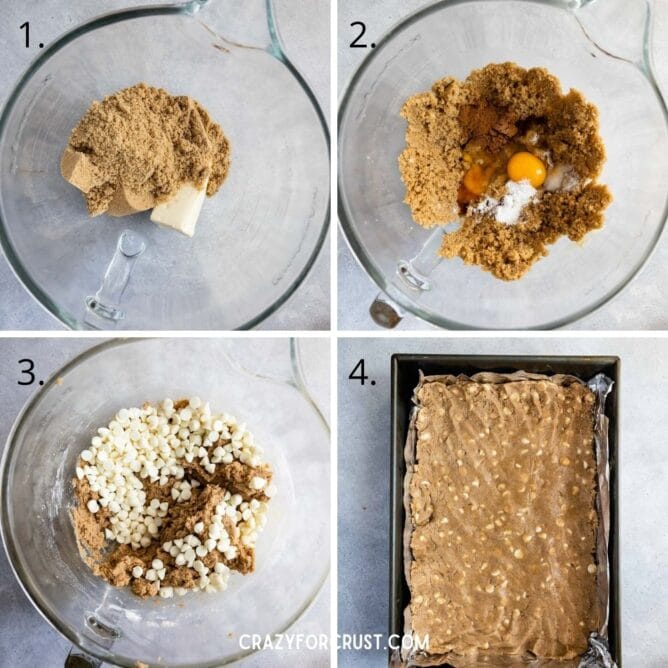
32	594
347	217
189	8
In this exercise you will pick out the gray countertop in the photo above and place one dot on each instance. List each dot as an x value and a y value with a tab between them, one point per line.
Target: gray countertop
305	29
26	640
364	468
642	305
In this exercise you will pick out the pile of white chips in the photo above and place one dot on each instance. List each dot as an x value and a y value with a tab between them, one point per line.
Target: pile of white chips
151	444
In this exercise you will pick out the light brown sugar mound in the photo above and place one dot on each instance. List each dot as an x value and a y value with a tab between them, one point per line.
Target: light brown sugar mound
462	140
139	146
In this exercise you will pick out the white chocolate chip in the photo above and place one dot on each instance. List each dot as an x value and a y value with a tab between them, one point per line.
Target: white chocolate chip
93	506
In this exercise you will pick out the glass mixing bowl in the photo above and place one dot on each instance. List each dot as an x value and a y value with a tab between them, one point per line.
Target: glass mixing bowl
600	48
255	240
199	629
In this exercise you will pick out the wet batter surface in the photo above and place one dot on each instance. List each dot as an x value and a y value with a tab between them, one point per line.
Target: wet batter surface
502	504
460	141
214	513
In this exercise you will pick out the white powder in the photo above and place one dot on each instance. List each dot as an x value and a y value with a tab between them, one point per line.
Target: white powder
561	177
485	205
508	209
517	196
571	181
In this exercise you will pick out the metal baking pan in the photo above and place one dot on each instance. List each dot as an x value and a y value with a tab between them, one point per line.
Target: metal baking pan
405	377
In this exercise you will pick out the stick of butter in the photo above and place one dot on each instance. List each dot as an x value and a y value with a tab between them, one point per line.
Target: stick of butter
182	211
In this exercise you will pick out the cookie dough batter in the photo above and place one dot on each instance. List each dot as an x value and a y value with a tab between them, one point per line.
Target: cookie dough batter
502	505
460	139
191	527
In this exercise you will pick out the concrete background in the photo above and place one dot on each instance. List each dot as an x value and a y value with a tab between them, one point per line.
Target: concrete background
305	28
642	305
26	640
364	483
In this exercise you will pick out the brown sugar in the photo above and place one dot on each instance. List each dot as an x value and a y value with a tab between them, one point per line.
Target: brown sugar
482	121
508	251
136	148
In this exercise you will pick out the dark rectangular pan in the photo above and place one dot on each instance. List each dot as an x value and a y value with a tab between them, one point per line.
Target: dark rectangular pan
405	377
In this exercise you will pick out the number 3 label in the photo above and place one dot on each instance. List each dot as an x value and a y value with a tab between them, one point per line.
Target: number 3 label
28	371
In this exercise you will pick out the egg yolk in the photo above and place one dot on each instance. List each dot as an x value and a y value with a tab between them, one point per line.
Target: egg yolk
476	180
524	166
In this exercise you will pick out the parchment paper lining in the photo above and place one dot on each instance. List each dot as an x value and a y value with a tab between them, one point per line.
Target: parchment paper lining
597	655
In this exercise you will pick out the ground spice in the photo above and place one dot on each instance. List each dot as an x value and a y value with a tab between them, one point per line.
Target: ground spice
137	147
502	107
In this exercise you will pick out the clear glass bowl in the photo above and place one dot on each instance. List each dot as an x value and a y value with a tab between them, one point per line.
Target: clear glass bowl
199	629
453	38
255	240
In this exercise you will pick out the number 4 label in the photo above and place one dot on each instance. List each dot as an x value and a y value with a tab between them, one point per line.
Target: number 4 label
358	373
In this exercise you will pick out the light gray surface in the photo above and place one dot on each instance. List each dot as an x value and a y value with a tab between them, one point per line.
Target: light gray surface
25	638
642	305
364	467
305	28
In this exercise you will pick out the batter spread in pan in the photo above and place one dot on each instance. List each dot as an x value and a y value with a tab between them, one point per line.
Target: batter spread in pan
502	505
